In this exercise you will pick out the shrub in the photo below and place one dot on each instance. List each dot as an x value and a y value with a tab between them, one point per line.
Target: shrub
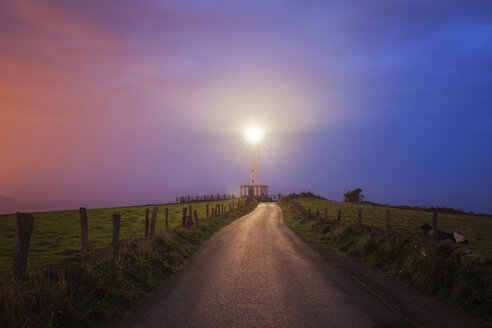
353	196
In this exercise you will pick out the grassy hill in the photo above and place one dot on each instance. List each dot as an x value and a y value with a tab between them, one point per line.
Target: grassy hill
474	228
446	270
56	235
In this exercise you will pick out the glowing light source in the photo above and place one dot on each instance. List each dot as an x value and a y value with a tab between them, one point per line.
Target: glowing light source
254	134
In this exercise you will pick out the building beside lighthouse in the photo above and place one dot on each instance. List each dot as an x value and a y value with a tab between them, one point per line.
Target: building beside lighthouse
254	187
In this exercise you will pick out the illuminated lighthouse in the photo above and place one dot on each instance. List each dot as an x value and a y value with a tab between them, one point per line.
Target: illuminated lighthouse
254	165
254	135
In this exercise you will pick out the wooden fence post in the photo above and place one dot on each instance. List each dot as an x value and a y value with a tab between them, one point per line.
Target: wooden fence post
388	220
146	222
230	208
206	216
84	234
152	223
23	232
309	214
167	219
359	217
317	214
326	215
196	217
339	216
183	221
116	230
190	216
435	233
222	211
212	213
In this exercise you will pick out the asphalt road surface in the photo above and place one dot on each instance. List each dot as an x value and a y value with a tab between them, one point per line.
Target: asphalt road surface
257	273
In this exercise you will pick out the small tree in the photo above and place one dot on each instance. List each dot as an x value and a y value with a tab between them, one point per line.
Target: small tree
353	196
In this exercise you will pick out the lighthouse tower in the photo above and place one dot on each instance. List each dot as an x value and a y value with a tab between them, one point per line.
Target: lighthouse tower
254	188
254	165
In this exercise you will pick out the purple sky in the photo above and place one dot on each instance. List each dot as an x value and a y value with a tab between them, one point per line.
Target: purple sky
106	103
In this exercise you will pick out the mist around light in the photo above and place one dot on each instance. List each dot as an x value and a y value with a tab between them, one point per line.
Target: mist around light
254	134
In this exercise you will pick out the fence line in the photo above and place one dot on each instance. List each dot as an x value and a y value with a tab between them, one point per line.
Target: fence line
306	214
25	221
216	197
212	197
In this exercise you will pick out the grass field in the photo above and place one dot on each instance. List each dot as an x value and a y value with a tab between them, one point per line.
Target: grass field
418	261
56	235
474	228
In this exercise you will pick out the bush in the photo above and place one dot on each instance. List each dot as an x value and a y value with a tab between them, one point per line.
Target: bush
353	196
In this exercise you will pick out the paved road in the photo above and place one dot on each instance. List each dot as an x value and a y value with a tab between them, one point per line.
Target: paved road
257	273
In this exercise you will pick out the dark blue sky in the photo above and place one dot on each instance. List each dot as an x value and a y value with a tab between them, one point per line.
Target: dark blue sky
127	102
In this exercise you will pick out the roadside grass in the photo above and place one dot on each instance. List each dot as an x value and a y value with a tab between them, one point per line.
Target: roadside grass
420	262
91	295
476	229
56	235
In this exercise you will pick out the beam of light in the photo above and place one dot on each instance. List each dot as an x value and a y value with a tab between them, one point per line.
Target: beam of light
254	134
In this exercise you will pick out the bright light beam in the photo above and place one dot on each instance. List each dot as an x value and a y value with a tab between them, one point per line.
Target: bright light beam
254	134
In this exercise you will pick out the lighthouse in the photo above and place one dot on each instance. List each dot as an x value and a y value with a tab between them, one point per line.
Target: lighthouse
254	188
254	165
